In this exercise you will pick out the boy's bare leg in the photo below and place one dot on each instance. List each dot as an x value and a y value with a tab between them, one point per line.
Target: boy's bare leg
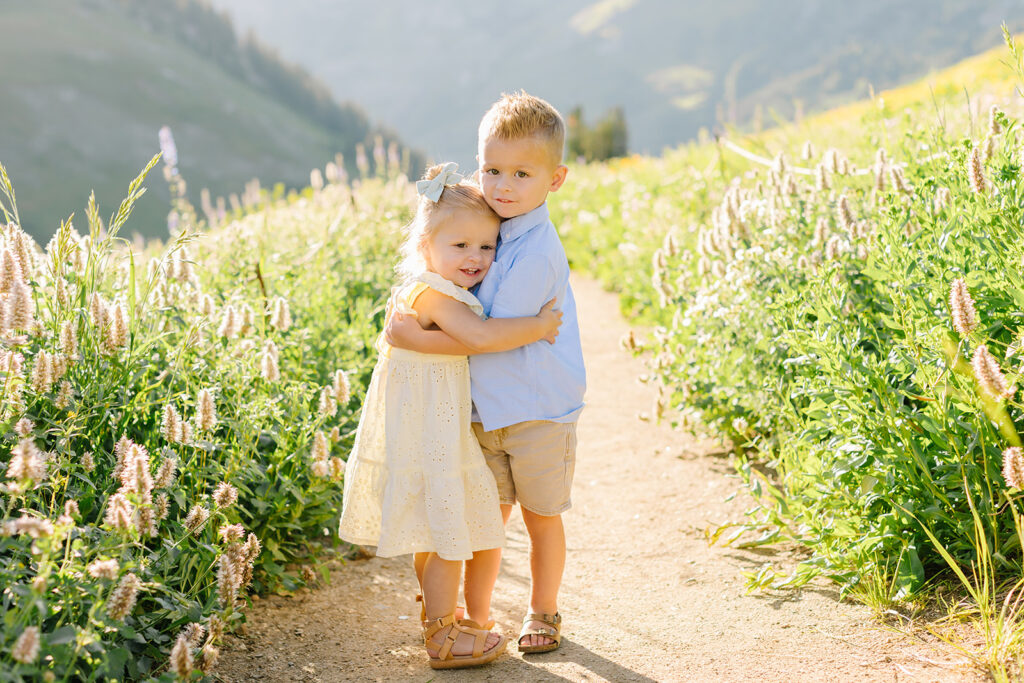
547	561
481	573
440	593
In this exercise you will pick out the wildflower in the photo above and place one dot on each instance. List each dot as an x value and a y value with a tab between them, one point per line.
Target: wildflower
208	657
167	147
321	448
171	426
196	518
898	181
335	435
71	508
185	432
206	307
98	311
225	495
337	467
268	363
942	198
989	149
116	332
121	453
230	533
341	387
206	413
26	647
281	317
248	319
844	214
103	569
119	512
994	127
965	318
988	373
975	174
88	463
228	581
821	182
26	462
833	247
20	307
194	633
230	323
123	597
64	395
42	373
24	427
1013	467
808	151
165	475
10	271
328	406
316	179
216	627
32	526
820	232
61	291
161	505
181	657
321	468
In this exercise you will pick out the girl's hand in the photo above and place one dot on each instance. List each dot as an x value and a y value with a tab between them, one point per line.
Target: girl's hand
552	320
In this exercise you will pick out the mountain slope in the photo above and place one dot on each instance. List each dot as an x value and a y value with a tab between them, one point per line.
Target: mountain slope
676	66
85	88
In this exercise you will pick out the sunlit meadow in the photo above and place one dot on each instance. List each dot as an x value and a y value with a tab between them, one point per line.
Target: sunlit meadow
177	417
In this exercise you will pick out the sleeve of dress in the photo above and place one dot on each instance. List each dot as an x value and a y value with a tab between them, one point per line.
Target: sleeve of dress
527	285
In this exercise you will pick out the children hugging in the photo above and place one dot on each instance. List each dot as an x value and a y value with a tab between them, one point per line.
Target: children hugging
478	385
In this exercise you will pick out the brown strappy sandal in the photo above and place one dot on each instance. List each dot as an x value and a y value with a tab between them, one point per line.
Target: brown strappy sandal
445	659
554	621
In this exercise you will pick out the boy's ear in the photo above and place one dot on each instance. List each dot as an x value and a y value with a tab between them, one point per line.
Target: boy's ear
558	178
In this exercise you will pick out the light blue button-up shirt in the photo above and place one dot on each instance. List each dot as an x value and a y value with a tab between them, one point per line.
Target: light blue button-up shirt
539	381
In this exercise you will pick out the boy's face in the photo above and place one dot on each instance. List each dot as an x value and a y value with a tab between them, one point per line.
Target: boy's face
461	250
516	175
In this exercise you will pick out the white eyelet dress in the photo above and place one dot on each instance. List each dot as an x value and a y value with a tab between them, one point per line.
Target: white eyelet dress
416	480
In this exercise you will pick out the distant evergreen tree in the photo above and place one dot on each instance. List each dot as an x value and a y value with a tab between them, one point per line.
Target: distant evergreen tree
606	139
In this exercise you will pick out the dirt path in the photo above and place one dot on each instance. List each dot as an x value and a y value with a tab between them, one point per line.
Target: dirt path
644	598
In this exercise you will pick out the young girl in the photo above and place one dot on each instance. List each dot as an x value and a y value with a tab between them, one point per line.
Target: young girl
416	481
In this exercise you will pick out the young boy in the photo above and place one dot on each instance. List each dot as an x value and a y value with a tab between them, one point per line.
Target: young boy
525	401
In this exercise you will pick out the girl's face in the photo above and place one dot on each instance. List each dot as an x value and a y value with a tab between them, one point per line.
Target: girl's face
462	248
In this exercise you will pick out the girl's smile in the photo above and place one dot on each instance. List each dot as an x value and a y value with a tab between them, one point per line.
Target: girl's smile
462	248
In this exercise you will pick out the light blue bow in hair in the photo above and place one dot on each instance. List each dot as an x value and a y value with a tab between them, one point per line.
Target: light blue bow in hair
432	189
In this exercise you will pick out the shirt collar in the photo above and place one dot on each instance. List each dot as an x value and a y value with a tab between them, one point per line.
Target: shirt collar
517	226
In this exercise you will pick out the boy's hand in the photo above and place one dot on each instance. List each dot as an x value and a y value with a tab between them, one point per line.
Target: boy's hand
401	329
552	319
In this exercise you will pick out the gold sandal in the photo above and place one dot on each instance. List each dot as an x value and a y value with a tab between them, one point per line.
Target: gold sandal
554	621
445	659
489	626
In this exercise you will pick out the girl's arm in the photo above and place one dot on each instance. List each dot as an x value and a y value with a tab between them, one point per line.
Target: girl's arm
464	333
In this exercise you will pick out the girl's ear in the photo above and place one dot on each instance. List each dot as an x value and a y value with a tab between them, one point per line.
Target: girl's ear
558	178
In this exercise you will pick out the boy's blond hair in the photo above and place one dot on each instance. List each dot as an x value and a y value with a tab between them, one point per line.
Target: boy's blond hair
518	115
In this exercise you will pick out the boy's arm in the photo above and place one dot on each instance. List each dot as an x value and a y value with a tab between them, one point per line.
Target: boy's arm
487	336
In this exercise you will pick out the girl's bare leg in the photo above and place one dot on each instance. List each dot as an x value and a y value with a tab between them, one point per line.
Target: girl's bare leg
481	573
440	593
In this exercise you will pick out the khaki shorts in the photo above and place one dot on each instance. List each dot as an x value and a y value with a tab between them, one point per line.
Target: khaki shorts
533	463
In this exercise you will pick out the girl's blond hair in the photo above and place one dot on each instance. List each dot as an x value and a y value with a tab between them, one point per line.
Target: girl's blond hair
430	215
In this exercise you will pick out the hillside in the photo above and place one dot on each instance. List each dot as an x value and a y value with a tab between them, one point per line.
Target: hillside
87	85
674	66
